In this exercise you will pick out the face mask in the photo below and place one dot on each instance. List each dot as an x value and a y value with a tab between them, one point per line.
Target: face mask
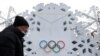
24	32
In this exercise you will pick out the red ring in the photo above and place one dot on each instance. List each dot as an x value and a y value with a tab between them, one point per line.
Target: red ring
59	44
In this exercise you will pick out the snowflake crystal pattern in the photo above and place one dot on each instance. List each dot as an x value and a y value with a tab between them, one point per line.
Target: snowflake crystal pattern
58	22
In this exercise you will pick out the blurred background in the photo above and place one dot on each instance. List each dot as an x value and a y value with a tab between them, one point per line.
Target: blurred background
22	5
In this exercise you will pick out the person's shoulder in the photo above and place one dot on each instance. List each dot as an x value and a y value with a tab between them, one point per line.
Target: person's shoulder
12	34
8	35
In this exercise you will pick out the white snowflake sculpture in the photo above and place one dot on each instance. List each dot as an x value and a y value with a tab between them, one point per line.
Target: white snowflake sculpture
57	23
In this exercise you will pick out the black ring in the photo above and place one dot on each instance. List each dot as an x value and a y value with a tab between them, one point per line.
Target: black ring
40	44
59	46
49	44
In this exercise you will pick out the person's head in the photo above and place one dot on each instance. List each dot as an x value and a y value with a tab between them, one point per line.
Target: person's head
21	24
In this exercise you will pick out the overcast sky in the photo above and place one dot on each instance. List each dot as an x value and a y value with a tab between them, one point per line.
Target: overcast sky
22	5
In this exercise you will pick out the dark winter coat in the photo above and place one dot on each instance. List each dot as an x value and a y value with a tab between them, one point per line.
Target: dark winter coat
11	42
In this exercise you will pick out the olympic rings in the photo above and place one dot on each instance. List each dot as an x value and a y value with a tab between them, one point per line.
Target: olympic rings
56	49
47	50
59	44
52	46
43	44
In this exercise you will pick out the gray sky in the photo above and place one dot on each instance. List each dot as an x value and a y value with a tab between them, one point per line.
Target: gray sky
22	5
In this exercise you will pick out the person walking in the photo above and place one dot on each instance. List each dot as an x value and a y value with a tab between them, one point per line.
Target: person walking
11	38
